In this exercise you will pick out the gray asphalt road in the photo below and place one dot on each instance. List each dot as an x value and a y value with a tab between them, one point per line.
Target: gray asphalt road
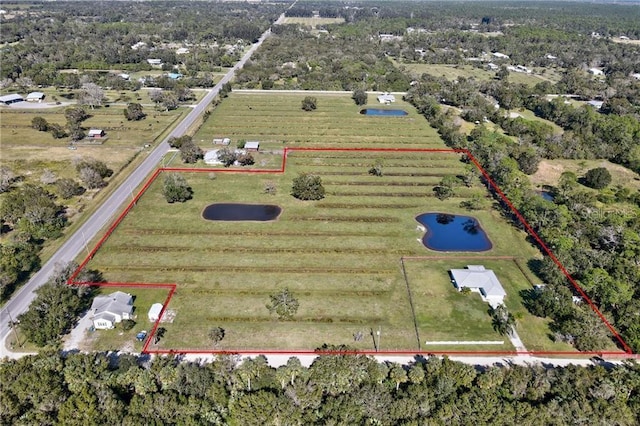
75	245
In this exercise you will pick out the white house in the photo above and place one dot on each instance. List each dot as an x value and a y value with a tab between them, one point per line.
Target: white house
596	71
636	75
154	62
500	55
154	312
386	98
111	309
35	97
480	280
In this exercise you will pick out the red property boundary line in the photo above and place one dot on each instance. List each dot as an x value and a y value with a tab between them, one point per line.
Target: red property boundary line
171	287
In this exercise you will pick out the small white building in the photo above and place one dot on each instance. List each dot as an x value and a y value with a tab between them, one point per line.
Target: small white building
111	309
35	97
500	55
221	141
252	146
96	133
386	98
596	71
154	312
154	62
480	280
636	75
595	104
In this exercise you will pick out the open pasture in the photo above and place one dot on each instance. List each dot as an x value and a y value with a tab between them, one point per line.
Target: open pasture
339	256
277	120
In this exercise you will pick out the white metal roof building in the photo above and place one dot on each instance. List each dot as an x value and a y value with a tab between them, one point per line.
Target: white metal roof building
481	280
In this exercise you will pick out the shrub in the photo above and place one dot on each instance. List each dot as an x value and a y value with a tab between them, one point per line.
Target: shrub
307	187
40	124
309	103
597	178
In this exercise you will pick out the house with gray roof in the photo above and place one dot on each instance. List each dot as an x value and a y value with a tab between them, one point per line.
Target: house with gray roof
11	98
108	310
480	280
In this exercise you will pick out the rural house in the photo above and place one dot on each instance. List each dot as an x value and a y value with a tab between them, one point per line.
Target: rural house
96	133
111	309
479	280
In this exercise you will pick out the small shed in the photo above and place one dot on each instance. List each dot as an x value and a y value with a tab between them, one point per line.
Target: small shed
174	75
154	312
252	146
35	97
221	141
11	98
154	62
96	133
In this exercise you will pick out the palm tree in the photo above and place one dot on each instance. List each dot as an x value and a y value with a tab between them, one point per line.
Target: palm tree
502	320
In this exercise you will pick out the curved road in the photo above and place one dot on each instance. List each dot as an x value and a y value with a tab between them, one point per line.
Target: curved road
75	244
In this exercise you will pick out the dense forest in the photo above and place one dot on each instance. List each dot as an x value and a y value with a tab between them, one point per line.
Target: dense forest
82	389
42	39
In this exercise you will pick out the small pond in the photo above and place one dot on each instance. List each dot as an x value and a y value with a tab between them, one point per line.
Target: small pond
385	112
548	196
447	232
241	212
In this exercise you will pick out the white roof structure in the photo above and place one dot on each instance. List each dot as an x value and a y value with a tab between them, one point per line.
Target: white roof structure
596	71
35	96
500	55
476	277
386	98
211	157
113	307
154	312
11	98
95	132
252	145
596	104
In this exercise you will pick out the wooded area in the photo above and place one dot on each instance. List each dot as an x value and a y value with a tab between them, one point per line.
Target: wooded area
106	388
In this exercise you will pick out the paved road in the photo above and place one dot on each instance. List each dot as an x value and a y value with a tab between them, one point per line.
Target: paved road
75	244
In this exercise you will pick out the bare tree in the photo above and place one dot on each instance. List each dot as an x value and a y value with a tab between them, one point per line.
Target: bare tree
91	95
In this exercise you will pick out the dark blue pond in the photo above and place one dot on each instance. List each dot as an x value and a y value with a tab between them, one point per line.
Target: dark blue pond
447	232
546	195
385	112
240	212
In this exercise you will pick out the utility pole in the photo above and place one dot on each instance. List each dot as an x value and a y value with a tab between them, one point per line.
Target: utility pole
378	333
13	327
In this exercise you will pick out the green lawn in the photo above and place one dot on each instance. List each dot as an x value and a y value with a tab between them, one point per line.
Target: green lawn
453	72
340	256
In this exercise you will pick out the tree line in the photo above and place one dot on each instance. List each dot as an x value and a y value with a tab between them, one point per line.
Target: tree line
109	388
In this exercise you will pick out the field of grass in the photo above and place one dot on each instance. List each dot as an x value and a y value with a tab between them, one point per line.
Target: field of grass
549	172
340	256
313	22
277	120
445	314
453	72
27	151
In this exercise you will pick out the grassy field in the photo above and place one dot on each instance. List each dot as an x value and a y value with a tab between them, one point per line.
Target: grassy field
453	72
27	151
313	22
339	256
549	172
277	120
